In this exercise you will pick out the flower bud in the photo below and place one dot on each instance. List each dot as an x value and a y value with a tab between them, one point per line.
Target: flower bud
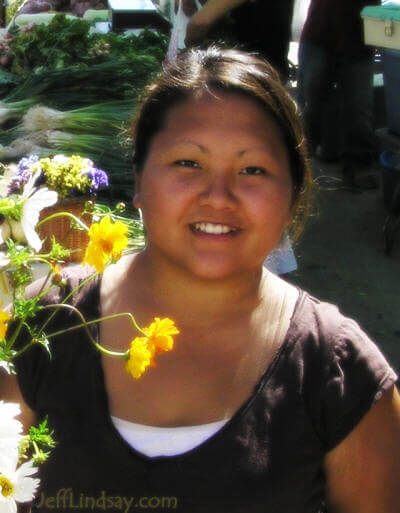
5	230
89	205
17	231
56	279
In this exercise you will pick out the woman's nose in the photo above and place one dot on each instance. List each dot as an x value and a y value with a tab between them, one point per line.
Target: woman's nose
218	193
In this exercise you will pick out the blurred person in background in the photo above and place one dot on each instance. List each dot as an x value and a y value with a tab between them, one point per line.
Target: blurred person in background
335	88
262	26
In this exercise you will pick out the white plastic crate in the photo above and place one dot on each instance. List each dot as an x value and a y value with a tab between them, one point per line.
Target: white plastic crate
136	14
381	27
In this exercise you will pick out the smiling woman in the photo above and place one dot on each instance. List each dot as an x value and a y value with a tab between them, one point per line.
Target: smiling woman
224	162
252	79
270	400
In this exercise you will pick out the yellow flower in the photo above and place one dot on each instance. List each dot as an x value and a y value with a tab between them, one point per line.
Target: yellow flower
4	318
140	357
142	349
160	334
107	240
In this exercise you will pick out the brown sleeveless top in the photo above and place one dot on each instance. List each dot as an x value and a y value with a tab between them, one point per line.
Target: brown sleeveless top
267	458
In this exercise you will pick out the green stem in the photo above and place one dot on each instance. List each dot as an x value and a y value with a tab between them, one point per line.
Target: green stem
64	214
18	353
37	451
40	258
42	288
44	291
15	335
85	325
73	291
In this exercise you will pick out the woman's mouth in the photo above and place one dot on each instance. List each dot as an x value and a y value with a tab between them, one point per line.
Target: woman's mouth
213	229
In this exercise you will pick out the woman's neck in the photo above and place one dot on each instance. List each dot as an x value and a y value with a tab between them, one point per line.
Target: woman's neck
173	292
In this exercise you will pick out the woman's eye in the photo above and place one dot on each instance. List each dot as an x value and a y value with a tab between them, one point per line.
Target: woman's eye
186	163
253	171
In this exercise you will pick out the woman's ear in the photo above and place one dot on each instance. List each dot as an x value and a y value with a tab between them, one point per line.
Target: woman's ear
136	200
136	195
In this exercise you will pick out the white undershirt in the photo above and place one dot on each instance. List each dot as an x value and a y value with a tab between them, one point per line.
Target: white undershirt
165	441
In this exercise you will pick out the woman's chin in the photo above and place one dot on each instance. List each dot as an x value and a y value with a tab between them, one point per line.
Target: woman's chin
217	270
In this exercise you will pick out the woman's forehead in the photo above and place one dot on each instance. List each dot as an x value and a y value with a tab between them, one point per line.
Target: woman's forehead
224	108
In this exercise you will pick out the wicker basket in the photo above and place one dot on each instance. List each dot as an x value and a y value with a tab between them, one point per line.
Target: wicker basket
60	227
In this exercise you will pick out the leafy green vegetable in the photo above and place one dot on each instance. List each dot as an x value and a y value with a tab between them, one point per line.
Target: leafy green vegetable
65	42
8	78
58	44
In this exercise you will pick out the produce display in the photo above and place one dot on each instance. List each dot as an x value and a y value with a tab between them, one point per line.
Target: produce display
76	7
65	88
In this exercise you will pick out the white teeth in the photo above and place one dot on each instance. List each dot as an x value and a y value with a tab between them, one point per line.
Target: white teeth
216	229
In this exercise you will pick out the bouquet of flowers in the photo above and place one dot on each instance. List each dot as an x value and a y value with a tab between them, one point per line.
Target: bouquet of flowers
68	176
37	183
26	190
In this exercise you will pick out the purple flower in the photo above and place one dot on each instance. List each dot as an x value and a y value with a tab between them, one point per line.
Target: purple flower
25	163
18	181
98	177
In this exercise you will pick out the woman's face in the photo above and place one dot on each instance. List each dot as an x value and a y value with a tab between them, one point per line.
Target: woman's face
215	190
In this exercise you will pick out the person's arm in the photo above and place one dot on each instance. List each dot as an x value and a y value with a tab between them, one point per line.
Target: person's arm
363	471
201	22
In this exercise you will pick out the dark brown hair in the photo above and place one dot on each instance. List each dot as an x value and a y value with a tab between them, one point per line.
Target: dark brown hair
199	70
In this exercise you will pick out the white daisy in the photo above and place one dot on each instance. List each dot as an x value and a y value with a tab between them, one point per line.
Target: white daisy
10	433
16	485
10	427
34	200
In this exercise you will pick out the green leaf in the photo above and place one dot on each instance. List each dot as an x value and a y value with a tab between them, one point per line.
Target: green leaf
43	341
19	255
8	78
26	308
6	358
41	438
40	457
42	435
58	252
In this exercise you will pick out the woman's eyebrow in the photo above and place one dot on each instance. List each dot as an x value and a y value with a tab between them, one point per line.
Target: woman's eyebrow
202	148
259	149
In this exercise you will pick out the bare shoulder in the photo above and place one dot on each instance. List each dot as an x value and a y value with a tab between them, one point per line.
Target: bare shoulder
275	287
363	471
115	279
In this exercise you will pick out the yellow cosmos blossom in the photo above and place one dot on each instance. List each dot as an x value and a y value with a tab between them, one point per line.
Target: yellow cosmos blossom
142	349
107	240
4	318
140	357
160	334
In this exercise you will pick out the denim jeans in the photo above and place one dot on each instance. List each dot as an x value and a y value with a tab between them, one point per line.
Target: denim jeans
335	94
